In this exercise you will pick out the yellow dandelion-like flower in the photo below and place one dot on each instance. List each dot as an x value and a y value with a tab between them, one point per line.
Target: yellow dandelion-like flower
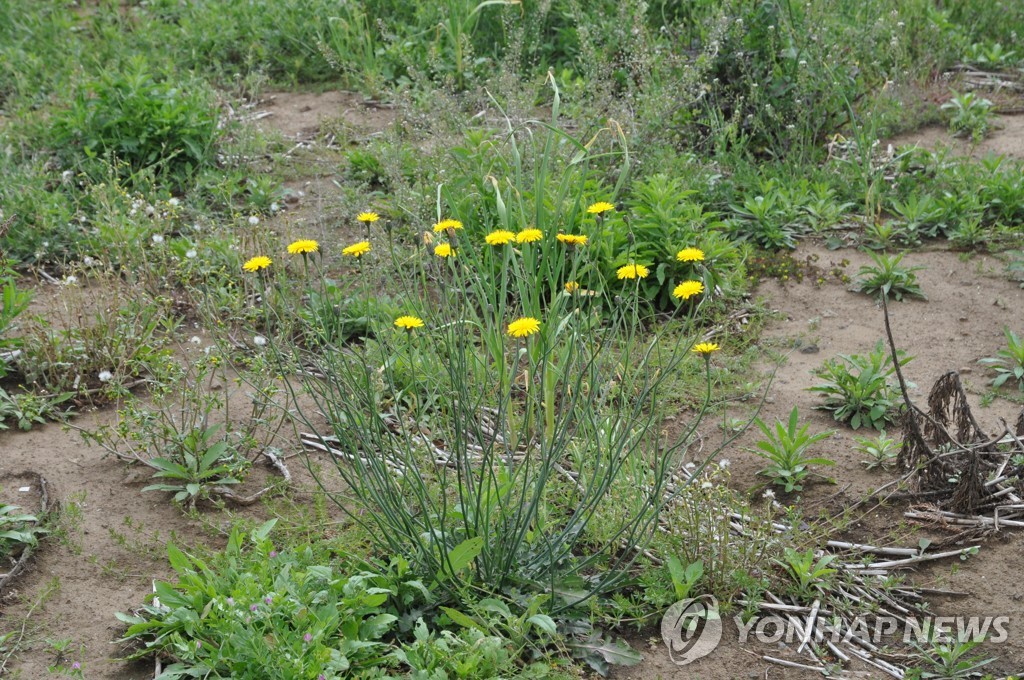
600	207
521	328
357	249
633	271
500	237
257	263
705	348
687	289
445	225
690	255
572	239
367	217
303	246
444	250
529	236
409	322
571	287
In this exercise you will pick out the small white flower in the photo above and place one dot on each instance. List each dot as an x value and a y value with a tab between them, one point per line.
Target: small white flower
66	175
274	207
195	340
724	463
706	485
174	202
150	210
131	213
191	254
769	495
158	239
46	244
105	376
259	341
88	261
253	220
70	280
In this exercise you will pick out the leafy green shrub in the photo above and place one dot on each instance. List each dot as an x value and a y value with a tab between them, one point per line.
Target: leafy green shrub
809	572
138	118
969	114
859	389
17	531
13	302
882	450
1009	362
785	448
887	278
219	616
664	224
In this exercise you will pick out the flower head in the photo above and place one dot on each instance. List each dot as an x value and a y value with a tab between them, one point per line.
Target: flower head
521	328
632	271
705	348
445	225
444	250
690	255
367	217
500	237
303	246
357	249
572	239
529	236
600	207
687	289
409	322
257	263
571	287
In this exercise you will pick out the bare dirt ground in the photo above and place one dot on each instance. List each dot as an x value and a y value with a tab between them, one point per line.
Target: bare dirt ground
1006	139
112	543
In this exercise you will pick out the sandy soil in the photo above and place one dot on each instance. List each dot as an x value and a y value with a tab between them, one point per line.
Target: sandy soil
1006	139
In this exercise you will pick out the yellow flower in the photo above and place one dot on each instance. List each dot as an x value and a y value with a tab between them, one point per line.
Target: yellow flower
572	239
529	236
257	263
690	255
409	322
303	246
368	217
705	348
521	328
357	249
600	207
444	250
571	287
687	289
445	225
500	237
633	271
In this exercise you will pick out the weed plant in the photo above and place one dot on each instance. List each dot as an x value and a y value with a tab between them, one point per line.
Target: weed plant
537	376
786	449
1008	362
859	390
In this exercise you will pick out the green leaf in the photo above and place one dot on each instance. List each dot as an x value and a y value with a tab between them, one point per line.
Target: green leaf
462	555
461	619
261	532
544	622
